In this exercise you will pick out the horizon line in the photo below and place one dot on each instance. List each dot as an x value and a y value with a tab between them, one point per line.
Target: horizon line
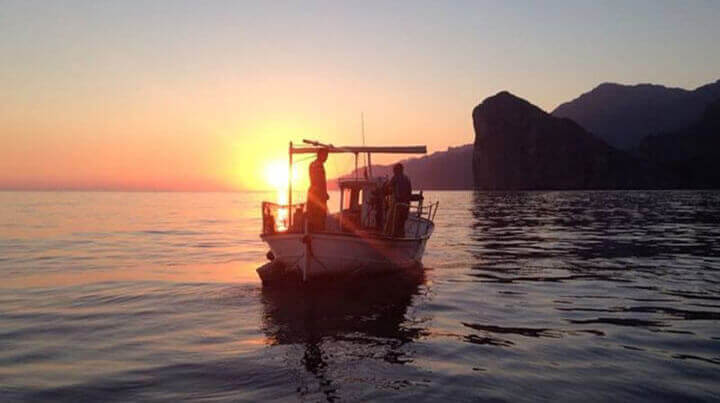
134	190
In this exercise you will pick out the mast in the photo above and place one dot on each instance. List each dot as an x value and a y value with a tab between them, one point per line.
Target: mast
362	126
362	130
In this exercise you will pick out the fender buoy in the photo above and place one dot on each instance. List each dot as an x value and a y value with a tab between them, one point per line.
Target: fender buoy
270	256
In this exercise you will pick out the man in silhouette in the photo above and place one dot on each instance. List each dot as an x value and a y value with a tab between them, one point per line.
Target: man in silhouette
401	190
317	196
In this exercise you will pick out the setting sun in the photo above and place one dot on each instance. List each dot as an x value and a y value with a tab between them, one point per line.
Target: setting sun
343	200
276	174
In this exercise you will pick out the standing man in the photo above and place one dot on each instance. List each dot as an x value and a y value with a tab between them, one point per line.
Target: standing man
317	196
401	190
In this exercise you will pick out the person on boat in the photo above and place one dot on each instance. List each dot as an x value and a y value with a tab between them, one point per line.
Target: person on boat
317	195
377	201
401	190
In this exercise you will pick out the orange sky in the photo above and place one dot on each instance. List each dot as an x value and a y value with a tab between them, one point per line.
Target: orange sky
194	133
205	96
201	135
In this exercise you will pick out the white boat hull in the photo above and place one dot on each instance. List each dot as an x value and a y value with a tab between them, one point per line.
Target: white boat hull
336	254
329	254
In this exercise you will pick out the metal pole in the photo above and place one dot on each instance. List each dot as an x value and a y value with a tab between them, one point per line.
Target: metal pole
308	251
362	128
307	260
290	171
369	161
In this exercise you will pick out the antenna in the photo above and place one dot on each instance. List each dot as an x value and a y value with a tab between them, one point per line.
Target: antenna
362	126
362	132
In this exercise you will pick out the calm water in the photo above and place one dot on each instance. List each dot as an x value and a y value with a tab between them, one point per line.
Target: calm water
533	296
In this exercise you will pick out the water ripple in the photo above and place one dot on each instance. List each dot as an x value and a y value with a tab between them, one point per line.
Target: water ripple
582	295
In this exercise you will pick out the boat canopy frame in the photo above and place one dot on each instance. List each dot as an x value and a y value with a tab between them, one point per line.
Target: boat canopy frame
312	147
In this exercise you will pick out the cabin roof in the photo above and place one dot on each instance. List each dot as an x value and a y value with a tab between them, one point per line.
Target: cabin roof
362	149
313	147
356	183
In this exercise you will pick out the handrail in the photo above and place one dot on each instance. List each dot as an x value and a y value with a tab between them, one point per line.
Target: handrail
428	212
280	217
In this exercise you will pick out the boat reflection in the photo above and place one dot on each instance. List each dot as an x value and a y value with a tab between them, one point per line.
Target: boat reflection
365	319
370	307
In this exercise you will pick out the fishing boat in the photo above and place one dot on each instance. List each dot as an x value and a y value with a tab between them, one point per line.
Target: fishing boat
358	239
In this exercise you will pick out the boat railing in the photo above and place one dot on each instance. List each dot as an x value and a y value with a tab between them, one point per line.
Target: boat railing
276	218
425	211
417	210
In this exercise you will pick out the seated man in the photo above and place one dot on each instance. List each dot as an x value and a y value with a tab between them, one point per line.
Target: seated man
401	189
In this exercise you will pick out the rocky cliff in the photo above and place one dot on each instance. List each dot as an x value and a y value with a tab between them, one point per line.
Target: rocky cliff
519	146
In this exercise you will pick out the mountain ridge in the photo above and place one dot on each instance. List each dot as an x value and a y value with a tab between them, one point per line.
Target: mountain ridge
693	152
623	115
518	146
455	168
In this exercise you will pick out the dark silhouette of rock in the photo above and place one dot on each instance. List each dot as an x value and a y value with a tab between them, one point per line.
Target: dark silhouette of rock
519	146
623	115
693	153
443	170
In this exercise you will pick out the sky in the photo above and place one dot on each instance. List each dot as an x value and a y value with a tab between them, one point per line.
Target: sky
191	95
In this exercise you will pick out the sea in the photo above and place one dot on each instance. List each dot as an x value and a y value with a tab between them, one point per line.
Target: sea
525	296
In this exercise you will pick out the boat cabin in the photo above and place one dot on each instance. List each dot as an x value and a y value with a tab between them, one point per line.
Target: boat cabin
365	207
361	203
364	236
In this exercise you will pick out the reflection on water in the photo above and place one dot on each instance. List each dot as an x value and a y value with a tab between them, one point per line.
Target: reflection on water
629	279
364	309
368	317
532	296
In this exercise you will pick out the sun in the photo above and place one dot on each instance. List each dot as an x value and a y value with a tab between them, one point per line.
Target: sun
276	174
